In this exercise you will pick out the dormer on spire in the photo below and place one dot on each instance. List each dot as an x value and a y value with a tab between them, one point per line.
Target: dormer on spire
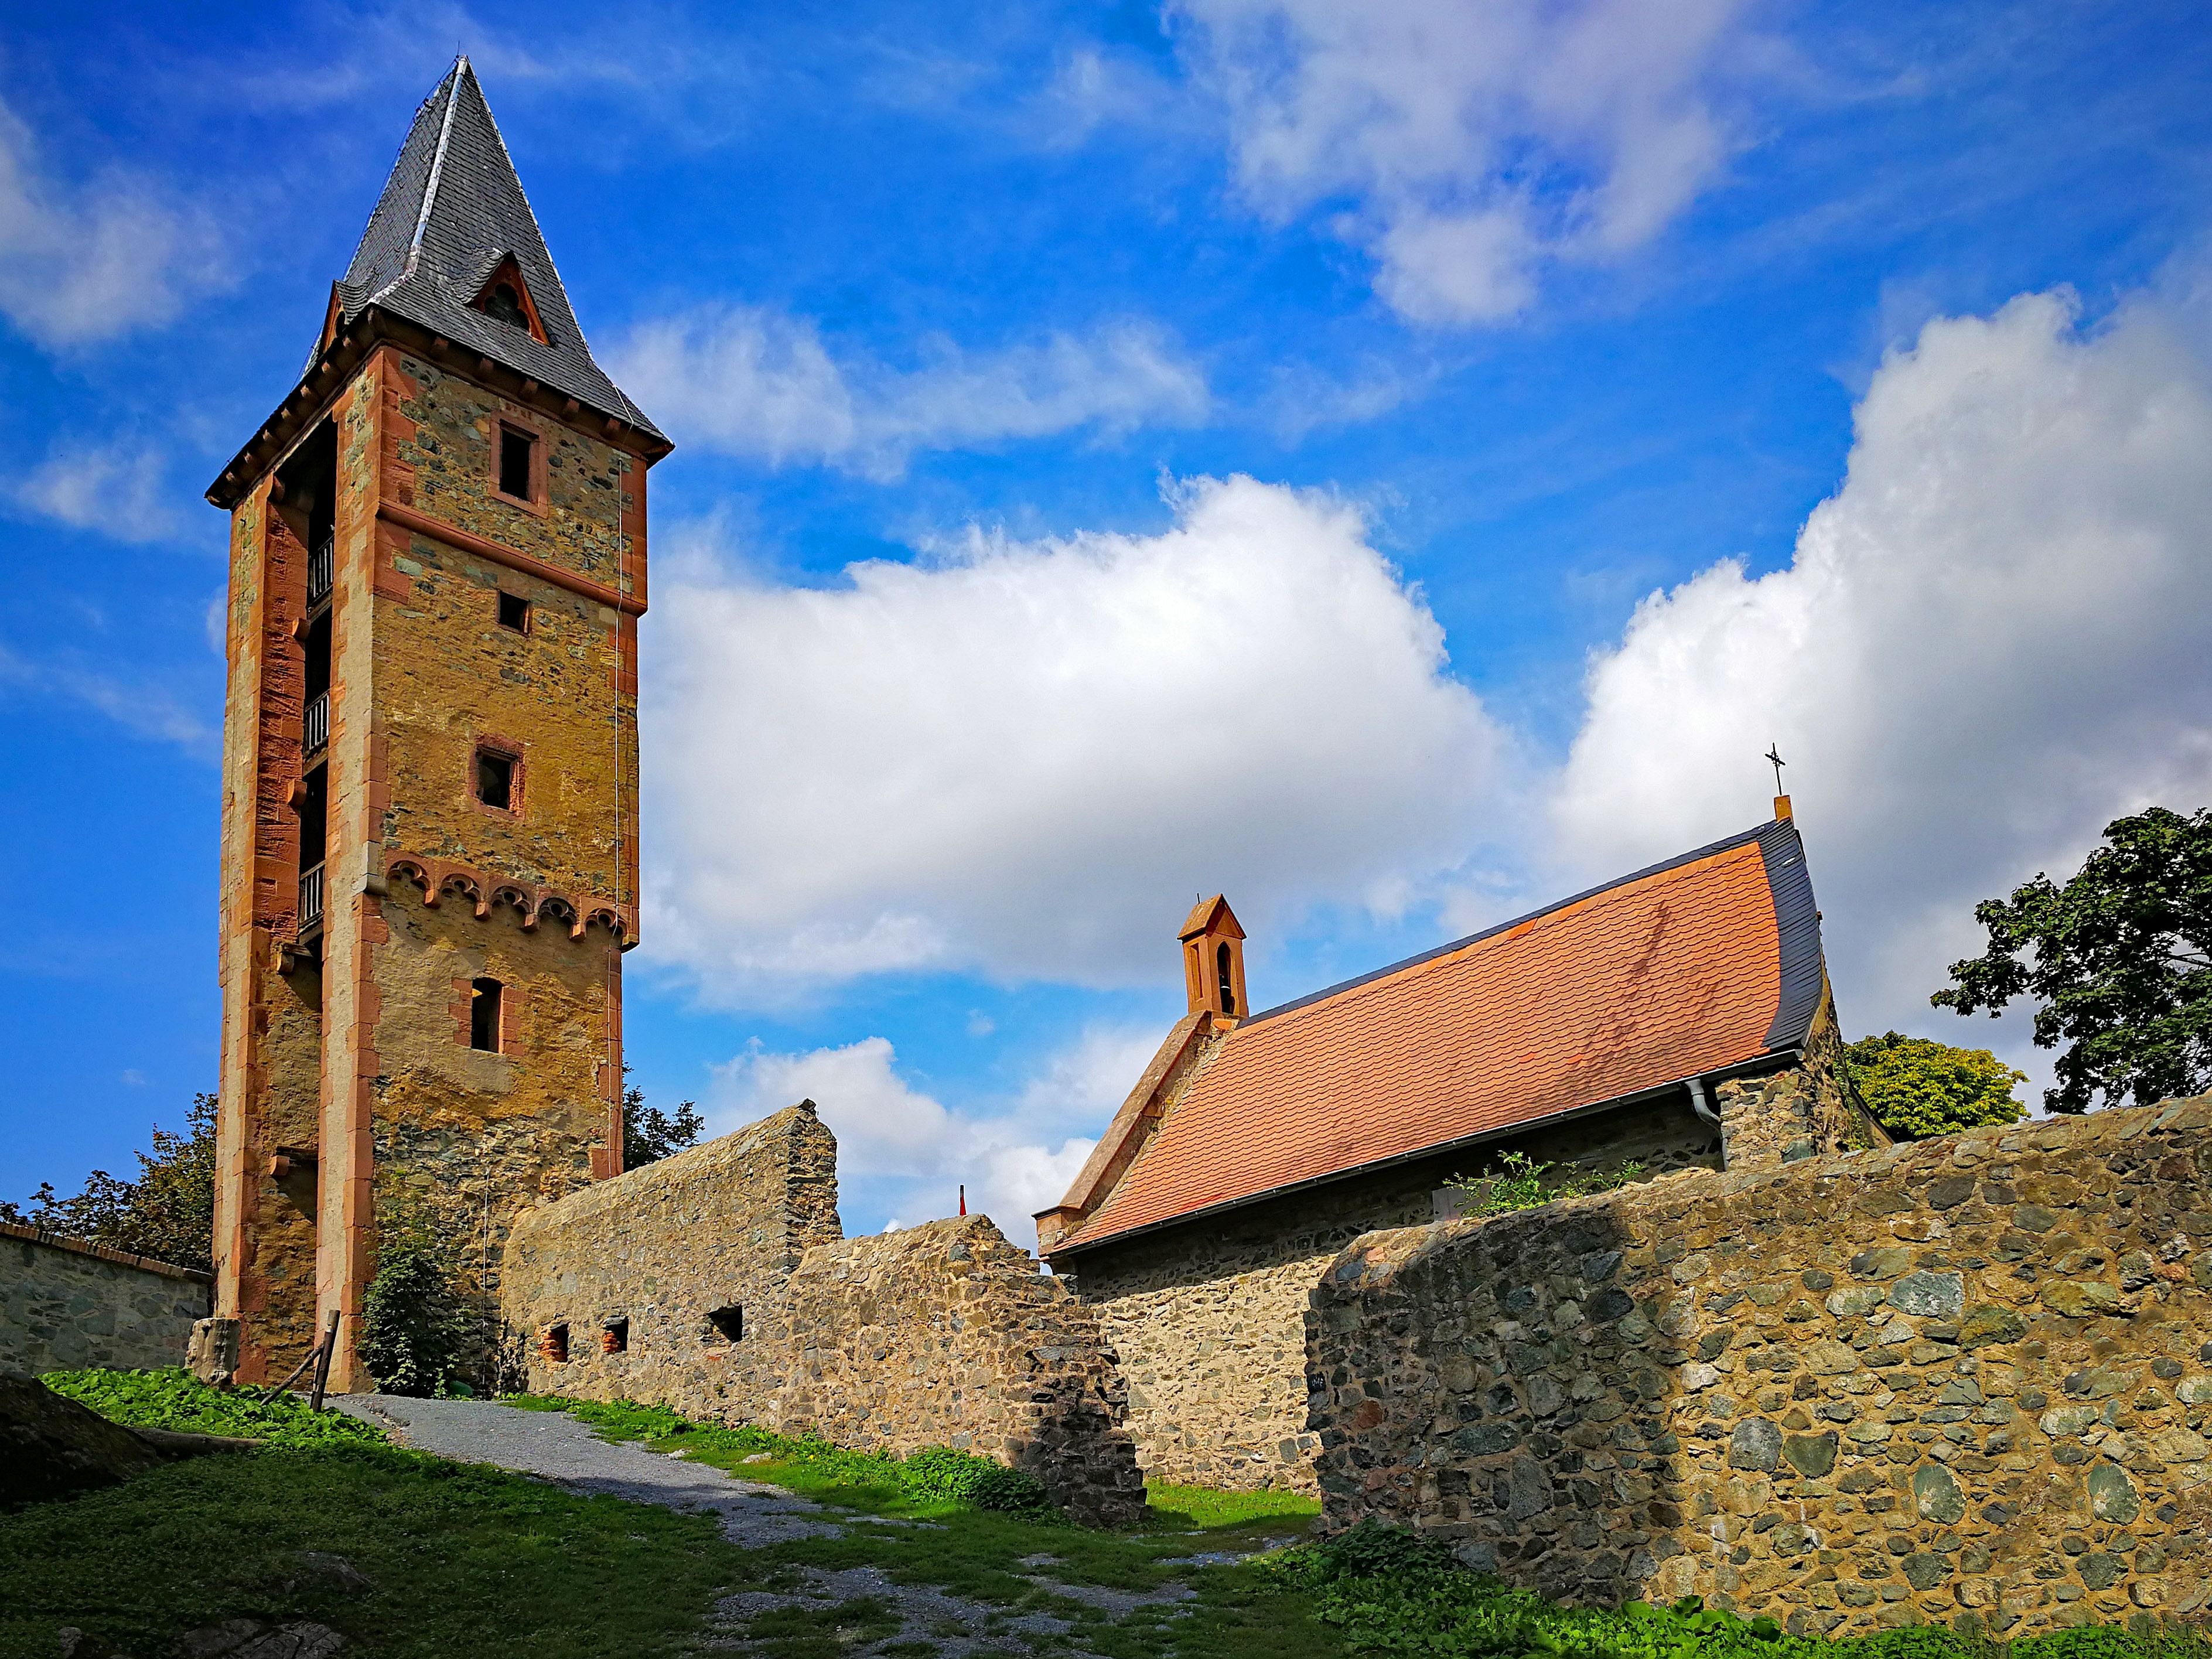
506	297
1214	960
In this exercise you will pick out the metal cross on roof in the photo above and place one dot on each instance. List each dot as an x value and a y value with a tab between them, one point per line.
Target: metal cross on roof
1774	754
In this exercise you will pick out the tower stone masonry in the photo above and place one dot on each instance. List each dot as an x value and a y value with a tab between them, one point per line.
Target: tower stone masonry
430	854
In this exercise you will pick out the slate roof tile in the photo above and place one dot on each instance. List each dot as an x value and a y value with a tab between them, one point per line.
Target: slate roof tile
451	209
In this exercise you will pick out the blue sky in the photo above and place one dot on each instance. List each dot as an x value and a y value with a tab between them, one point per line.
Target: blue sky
1394	465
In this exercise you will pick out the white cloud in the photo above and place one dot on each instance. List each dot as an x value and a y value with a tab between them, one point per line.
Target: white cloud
754	381
1990	641
116	490
901	1151
1467	144
88	263
1017	758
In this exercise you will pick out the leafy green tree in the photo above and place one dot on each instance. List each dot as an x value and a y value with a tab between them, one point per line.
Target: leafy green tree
167	1212
650	1134
1917	1087
2120	958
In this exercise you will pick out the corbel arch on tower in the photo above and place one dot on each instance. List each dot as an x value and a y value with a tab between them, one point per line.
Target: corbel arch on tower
1214	960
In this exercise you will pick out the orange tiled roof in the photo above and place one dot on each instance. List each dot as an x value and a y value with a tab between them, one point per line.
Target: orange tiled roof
1690	967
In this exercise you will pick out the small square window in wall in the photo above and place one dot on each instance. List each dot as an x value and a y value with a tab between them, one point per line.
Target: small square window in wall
514	612
517	464
614	1337
484	1000
554	1345
729	1322
498	780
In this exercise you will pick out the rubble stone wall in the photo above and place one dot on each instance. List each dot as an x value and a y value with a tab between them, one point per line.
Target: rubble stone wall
68	1305
1209	1317
1965	1381
946	1335
1806	1111
737	1300
663	1248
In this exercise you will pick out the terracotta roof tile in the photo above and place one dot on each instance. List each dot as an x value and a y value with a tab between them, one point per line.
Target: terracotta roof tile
1685	969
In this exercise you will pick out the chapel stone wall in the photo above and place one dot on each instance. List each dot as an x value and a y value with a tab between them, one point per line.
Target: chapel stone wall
1963	1381
1208	1318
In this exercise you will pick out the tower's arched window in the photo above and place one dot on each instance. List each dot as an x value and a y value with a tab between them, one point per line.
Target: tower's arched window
483	1015
1227	985
504	303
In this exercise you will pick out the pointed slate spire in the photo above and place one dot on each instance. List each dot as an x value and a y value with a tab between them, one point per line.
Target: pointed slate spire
452	214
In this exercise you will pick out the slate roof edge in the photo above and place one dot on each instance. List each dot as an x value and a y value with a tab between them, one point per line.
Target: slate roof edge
1804	971
1726	844
1753	1067
375	326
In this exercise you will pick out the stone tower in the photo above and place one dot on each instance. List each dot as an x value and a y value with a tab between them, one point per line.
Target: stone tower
429	861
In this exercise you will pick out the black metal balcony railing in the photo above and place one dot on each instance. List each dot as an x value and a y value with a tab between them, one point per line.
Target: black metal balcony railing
315	726
322	565
311	897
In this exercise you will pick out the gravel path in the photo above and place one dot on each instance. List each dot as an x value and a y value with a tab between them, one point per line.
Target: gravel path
860	1601
558	1447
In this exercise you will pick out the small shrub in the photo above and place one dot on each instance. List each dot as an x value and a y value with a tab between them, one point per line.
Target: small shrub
1515	1182
415	1327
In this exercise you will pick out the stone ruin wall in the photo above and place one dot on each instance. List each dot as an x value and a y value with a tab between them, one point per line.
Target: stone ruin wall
722	1225
946	1334
1209	1318
943	1334
1966	1381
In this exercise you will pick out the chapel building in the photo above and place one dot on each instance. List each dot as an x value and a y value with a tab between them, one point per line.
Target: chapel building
1677	1018
437	564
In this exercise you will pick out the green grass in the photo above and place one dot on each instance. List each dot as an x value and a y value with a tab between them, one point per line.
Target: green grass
467	1559
460	1558
1203	1506
175	1399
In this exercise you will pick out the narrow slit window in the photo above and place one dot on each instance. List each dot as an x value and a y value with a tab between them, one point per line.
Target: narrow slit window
729	1322
496	779
615	1337
514	462
483	1015
554	1345
514	612
1221	968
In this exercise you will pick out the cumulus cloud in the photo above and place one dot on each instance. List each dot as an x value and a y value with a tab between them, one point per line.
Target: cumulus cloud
1989	642
754	381
903	1154
1019	757
88	263
1467	144
115	490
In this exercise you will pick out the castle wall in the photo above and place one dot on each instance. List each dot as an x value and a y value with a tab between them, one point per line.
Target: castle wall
946	1335
68	1305
941	1334
1208	1316
1964	1381
722	1225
